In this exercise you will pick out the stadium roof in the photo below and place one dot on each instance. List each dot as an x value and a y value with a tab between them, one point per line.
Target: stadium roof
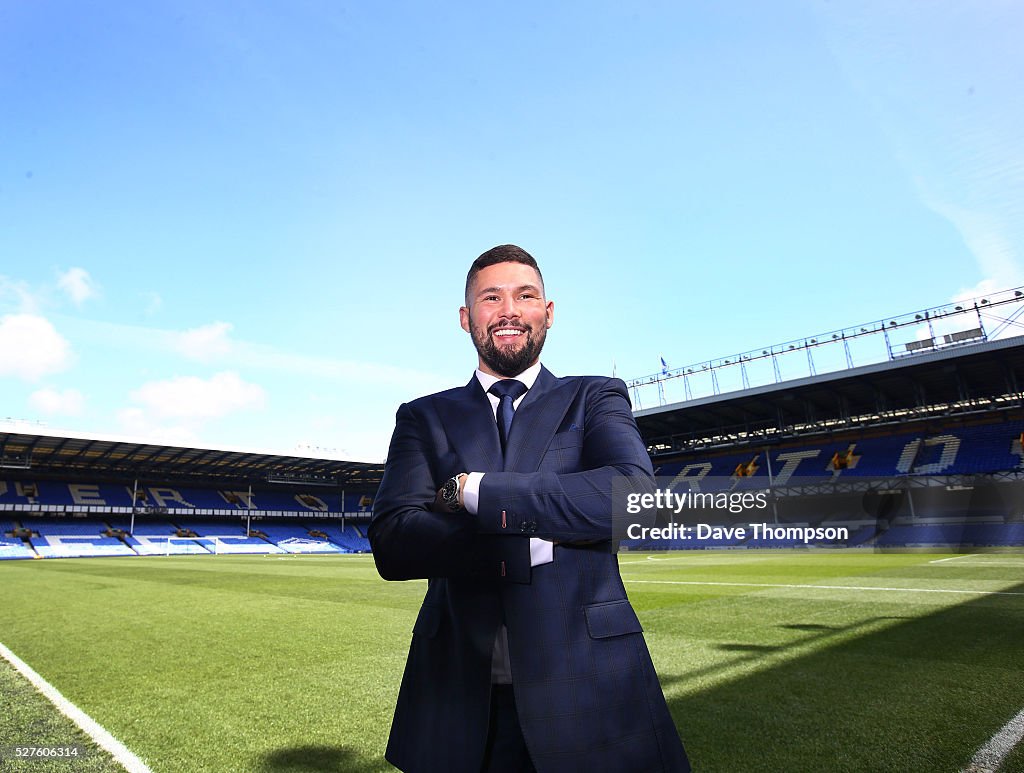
958	379
72	457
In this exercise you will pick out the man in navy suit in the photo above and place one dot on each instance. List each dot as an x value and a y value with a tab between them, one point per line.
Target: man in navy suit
526	654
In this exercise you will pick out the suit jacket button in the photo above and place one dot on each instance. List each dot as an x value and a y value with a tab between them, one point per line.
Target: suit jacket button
529	527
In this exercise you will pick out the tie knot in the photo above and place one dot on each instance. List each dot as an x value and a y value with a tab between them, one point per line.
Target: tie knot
508	387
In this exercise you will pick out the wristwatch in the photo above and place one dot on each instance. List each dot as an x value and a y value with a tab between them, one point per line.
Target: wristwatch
450	493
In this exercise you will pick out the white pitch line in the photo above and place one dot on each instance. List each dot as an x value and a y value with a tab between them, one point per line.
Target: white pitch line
708	560
828	587
990	756
90	726
1018	564
953	558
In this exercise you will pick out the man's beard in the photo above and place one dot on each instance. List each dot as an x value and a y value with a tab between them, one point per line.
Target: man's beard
505	360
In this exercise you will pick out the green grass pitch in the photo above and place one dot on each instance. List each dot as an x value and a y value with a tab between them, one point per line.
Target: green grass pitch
770	660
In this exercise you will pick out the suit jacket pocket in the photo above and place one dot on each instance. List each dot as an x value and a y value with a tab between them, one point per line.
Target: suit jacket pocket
570	439
427	621
562	455
611	618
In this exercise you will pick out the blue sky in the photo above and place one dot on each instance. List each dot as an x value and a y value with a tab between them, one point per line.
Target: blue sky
242	224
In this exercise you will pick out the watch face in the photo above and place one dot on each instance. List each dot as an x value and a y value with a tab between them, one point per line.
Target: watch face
450	492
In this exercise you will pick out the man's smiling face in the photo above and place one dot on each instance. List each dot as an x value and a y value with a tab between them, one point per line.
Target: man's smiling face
508	317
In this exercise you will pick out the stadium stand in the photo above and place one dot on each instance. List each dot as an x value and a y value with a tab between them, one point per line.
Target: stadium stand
54	546
949	450
962	535
62	496
78	518
85	537
12	546
349	540
922	451
299	539
86	496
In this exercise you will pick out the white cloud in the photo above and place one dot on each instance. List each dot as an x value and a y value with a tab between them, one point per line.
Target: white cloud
68	402
992	242
191	398
983	288
206	343
136	423
16	293
78	285
992	307
31	347
966	311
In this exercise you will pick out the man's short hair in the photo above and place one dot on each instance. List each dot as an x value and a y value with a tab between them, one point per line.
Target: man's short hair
503	253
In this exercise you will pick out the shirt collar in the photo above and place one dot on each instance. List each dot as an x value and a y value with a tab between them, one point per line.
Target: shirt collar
528	377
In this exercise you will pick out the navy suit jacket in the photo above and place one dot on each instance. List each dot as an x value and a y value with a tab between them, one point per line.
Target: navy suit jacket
586	691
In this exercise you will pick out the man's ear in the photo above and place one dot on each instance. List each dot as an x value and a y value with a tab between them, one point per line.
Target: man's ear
464	318
549	312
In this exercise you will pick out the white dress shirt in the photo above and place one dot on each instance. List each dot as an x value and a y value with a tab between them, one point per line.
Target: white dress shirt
541	551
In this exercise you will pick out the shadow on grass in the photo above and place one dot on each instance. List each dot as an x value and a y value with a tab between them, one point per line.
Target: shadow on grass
811	627
749	647
320	759
752	653
916	694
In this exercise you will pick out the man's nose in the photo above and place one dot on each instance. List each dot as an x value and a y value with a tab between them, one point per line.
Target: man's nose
509	308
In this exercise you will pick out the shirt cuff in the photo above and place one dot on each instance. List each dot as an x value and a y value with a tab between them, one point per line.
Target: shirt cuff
471	492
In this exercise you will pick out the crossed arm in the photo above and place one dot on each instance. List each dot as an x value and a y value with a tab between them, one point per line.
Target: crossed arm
411	539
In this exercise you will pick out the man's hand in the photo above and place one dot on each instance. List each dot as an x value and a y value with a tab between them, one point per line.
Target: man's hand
440	506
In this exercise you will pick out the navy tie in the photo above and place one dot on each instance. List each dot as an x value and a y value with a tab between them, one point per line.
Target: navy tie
507	391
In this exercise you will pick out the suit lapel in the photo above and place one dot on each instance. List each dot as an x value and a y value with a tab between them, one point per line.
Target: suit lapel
469	422
537	418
